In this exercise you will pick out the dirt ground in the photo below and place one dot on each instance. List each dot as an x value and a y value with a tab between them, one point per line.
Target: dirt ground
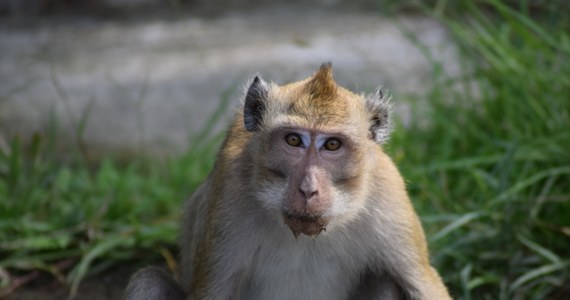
106	286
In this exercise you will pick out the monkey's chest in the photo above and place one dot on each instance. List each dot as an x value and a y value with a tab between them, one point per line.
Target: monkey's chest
300	272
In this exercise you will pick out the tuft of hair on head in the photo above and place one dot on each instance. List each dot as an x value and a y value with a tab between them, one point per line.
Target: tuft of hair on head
322	84
379	107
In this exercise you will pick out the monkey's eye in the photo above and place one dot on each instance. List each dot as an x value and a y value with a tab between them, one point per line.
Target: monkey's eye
294	140
332	144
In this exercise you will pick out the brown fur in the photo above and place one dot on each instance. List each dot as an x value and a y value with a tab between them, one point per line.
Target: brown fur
318	98
229	229
232	148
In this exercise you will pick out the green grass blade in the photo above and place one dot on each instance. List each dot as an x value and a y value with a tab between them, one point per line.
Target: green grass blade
98	250
521	185
538	272
461	221
549	255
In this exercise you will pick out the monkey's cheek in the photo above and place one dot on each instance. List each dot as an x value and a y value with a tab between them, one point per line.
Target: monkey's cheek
308	225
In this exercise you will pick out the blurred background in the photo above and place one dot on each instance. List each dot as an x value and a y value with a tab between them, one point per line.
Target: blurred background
143	75
111	112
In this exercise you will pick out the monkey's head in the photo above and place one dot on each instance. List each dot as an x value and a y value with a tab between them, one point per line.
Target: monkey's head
312	140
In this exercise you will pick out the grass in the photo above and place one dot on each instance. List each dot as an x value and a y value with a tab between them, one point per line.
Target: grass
486	157
74	219
490	171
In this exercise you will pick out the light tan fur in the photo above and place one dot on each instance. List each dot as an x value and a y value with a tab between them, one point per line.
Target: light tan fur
234	243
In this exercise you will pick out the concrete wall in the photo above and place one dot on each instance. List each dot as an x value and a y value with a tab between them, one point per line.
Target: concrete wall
147	85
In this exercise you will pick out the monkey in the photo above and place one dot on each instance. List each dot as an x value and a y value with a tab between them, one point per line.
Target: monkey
153	283
302	203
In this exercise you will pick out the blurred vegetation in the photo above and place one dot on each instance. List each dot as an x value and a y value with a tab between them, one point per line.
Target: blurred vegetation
490	169
486	156
73	218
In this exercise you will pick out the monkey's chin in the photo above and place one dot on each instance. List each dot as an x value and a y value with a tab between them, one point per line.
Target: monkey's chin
310	225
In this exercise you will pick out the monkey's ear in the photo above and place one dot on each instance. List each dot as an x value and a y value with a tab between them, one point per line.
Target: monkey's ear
379	110
255	104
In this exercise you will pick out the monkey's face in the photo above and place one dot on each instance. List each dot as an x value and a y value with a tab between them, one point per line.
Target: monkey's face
312	139
311	177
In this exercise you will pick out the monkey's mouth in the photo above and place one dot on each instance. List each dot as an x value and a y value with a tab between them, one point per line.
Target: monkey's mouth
307	224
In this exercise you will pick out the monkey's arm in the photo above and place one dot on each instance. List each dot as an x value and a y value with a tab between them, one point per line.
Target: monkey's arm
405	257
398	264
222	275
398	232
208	269
413	274
153	283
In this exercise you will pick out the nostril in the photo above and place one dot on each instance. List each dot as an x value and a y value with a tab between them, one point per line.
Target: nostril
308	193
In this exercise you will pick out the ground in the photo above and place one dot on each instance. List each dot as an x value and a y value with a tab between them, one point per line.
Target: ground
106	286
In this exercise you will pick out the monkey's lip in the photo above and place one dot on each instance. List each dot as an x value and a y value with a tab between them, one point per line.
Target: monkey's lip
307	224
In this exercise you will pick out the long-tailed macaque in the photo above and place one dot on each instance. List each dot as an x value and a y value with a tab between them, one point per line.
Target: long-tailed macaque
302	203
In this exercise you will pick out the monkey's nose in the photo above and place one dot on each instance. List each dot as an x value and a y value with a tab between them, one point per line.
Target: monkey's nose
309	185
308	193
